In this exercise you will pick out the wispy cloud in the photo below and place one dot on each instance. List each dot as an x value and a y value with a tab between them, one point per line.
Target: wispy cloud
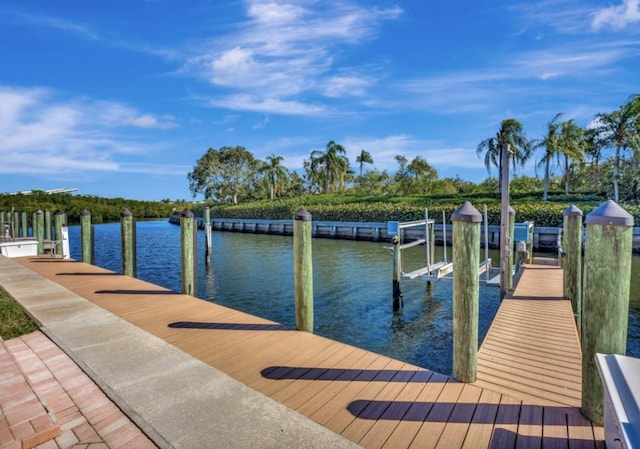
40	133
617	17
285	50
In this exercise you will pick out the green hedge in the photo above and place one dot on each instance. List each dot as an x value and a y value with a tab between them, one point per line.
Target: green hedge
543	214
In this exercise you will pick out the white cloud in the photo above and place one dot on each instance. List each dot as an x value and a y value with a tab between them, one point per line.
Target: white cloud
40	133
242	102
285	49
617	17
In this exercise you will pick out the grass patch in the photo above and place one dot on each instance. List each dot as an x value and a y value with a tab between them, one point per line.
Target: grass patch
13	321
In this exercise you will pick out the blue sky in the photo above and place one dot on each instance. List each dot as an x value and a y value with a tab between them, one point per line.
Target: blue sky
121	98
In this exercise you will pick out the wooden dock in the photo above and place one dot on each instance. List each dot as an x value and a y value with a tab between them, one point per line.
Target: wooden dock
371	399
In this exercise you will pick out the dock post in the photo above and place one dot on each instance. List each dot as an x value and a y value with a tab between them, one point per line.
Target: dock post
607	279
128	243
59	219
397	274
47	224
38	228
572	261
466	291
16	223
24	228
2	231
187	245
303	269
505	160
86	233
207	235
510	248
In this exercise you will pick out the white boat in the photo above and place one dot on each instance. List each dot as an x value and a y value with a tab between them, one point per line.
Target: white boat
18	247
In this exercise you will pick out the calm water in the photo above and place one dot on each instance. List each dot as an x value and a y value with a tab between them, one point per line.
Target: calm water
352	287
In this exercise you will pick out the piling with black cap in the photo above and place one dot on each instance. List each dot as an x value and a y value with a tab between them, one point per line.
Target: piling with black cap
207	234
24	227
303	269
47	224
607	276
510	249
466	291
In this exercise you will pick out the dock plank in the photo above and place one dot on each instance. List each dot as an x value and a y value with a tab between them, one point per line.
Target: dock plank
527	393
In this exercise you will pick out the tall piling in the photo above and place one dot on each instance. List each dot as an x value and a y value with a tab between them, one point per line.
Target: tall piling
86	236
47	224
38	228
397	274
303	269
128	243
607	277
510	248
59	219
207	235
16	223
466	291
188	253
24	227
572	261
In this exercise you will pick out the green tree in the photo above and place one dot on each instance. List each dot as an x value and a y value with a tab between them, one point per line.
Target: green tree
223	174
620	130
329	168
571	144
364	158
275	173
550	145
512	133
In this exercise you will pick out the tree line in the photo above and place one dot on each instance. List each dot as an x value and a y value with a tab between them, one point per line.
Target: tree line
602	157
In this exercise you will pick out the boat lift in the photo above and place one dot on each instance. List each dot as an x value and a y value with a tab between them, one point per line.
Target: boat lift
440	270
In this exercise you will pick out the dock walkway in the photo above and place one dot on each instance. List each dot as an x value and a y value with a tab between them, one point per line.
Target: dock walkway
365	398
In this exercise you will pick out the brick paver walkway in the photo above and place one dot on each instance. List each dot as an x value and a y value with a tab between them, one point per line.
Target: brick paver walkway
87	418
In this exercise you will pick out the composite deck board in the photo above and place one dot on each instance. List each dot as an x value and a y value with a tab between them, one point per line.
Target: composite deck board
525	396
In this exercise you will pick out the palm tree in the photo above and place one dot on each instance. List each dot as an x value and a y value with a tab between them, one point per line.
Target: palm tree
512	133
275	172
571	144
364	158
619	129
330	166
550	144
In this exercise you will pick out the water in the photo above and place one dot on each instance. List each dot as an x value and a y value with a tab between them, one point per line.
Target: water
352	287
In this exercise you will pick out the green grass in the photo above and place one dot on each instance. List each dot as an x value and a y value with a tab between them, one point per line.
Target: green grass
13	321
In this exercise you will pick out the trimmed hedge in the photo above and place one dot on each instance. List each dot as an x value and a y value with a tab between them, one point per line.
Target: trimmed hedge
543	214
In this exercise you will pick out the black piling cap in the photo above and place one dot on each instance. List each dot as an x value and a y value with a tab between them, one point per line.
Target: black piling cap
609	213
125	213
572	211
58	212
467	212
302	214
85	212
39	212
187	213
512	212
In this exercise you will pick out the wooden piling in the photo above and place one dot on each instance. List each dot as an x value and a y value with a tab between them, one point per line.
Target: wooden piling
86	236
607	276
47	224
16	224
207	235
397	274
24	227
187	238
59	218
39	230
572	261
510	248
466	291
505	159
128	243
303	269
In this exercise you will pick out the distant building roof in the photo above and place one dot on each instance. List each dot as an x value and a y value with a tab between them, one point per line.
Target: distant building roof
29	192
